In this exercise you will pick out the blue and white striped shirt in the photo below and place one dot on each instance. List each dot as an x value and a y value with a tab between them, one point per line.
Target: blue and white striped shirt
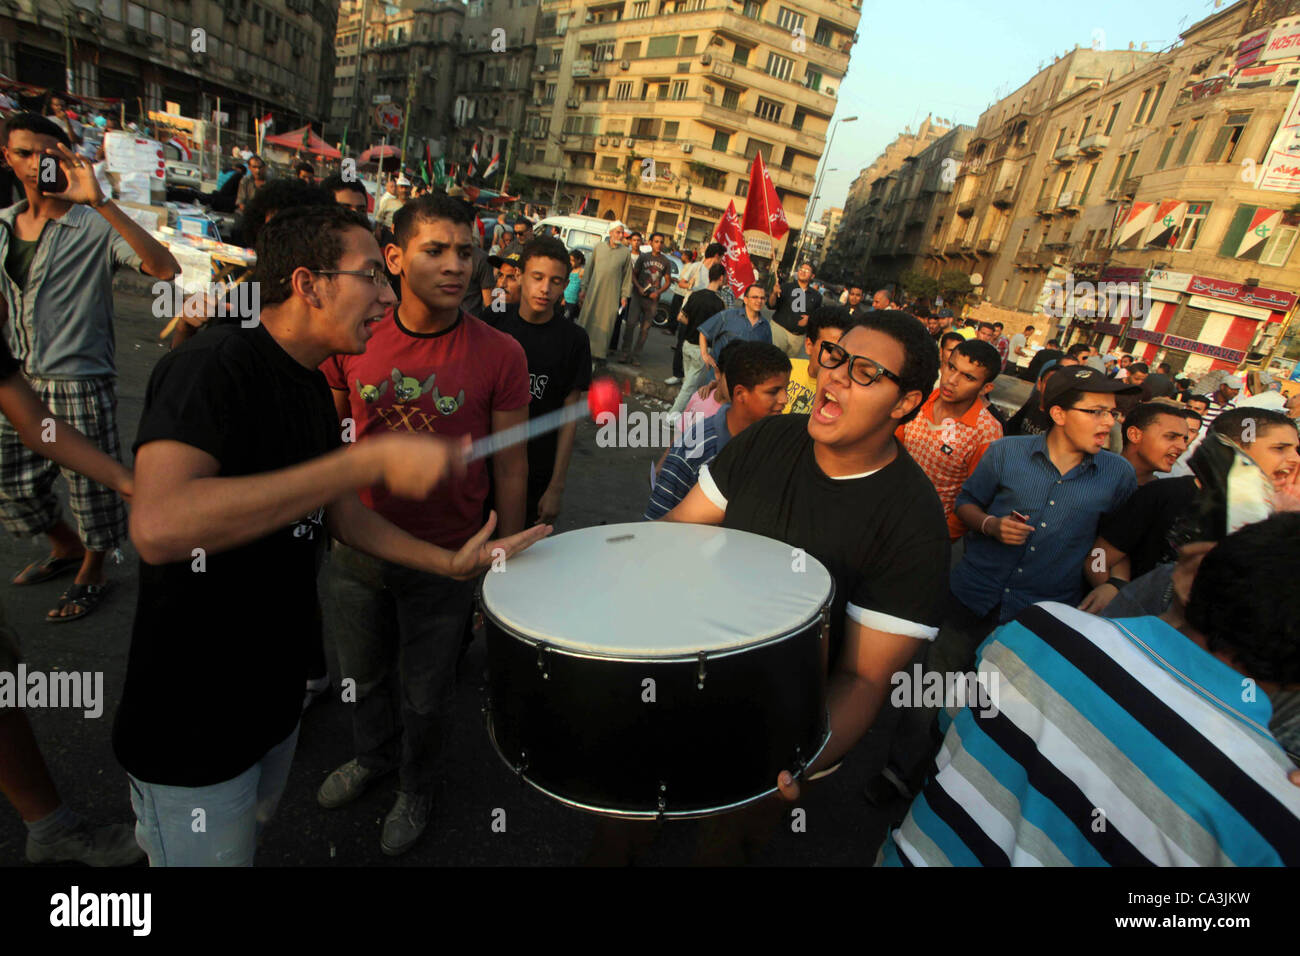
1111	743
1017	474
682	466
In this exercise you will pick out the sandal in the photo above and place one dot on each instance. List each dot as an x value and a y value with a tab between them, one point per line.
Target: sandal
84	598
46	568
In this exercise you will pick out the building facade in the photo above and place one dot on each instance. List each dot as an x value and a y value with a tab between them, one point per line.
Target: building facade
257	56
653	110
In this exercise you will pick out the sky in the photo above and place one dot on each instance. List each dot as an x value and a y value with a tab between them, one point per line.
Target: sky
953	58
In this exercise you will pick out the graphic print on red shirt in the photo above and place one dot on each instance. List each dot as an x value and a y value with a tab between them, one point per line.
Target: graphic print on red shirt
446	383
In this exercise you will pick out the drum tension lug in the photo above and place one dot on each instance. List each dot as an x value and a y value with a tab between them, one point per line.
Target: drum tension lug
663	800
700	674
522	764
541	661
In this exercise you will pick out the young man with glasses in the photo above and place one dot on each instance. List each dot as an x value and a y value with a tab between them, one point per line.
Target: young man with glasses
742	322
838	486
429	368
523	234
239	477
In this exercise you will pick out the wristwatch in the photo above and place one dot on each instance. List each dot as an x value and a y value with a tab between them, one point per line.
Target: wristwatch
1117	583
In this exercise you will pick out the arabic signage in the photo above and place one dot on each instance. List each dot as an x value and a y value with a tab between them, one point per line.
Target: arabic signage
1108	328
1272	299
1143	335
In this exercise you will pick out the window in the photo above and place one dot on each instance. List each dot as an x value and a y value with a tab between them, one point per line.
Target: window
1142	105
742	188
644	128
1060	138
1115	177
111	9
623	91
787	160
812	79
741	55
1132	160
1187	233
550	93
670	131
799	117
1169	145
609	164
135	16
687	47
179	34
604	51
555	56
758	146
1151	113
1042	191
768	110
720	140
731	99
1110	120
661	91
753	10
1225	144
823	36
640	9
1083	130
789	21
631	51
1185	152
779	66
678	91
662	46
1278	248
1087	186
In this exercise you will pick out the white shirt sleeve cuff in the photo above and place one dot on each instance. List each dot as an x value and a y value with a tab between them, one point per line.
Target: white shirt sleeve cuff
880	621
710	489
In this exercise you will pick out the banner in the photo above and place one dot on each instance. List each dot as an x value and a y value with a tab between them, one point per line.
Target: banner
1282	166
740	271
763	212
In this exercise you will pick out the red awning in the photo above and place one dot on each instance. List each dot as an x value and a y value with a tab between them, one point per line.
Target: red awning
304	139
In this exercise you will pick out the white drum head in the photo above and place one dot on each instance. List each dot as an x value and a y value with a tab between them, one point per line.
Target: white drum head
656	589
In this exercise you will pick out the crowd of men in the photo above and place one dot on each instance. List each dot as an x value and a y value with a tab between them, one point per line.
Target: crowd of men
959	543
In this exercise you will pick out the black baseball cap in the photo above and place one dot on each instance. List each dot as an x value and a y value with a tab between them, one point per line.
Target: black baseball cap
511	260
1082	378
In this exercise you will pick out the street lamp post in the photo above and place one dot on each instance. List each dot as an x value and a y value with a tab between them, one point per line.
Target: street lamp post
812	204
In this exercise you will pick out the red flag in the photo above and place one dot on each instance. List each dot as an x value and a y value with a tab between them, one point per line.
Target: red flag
584	204
763	211
740	271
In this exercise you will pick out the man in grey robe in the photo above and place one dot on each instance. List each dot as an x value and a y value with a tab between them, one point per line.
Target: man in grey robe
606	285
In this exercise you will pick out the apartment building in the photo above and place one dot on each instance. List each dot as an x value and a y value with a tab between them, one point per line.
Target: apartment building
831	218
653	110
1132	167
255	55
847	253
405	55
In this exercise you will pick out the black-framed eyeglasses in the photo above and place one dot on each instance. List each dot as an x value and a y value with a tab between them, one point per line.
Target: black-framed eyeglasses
862	370
376	275
1098	413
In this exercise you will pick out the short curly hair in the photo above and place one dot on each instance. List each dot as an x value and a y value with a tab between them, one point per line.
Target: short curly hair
306	236
1239	603
920	354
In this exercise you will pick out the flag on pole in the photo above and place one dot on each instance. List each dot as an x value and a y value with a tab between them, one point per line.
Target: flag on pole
493	165
763	211
584	204
740	271
306	136
473	160
264	124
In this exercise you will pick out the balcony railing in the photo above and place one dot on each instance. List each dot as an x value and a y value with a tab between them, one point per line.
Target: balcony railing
1005	197
1065	155
1094	143
989	245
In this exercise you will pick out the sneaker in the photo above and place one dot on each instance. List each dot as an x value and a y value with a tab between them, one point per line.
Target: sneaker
405	823
110	845
672	380
346	784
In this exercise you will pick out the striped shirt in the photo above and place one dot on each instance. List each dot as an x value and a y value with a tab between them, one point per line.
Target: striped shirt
700	444
1017	474
1215	409
1112	743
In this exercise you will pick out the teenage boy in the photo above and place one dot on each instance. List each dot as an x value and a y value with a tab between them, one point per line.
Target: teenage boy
429	368
826	324
838	485
954	428
60	250
651	274
947	342
559	370
239	476
1129	742
1155	437
507	290
757	376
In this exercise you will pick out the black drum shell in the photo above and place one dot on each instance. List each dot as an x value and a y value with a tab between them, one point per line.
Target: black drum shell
582	729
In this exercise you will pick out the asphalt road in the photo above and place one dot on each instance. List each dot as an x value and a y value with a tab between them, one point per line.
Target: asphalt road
606	486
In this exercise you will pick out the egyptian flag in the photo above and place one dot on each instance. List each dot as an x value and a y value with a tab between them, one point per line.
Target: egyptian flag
584	204
473	160
740	271
1139	217
1166	221
264	124
493	165
1258	231
763	212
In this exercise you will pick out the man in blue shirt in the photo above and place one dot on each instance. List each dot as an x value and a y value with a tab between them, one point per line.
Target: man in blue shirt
743	321
757	376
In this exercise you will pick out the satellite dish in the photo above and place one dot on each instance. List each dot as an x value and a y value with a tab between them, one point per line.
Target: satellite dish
976	278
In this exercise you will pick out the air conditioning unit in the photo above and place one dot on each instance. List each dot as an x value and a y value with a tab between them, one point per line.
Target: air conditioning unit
688	147
572	104
829	90
706	59
563	139
629	143
541	67
626	65
591	18
604	141
609	55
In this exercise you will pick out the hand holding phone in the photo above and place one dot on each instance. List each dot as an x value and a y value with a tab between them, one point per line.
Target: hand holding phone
1014	529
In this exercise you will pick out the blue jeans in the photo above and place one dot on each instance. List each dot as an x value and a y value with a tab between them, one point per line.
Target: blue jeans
170	829
398	635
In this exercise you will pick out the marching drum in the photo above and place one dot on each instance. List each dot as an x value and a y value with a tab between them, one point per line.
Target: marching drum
657	669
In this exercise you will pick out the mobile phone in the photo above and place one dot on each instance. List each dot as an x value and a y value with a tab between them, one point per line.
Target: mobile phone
60	183
1023	519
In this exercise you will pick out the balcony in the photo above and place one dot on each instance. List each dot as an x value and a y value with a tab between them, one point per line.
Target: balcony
1094	143
966	208
1129	187
1069	203
1065	155
748	30
988	245
1026	259
954	248
1046	208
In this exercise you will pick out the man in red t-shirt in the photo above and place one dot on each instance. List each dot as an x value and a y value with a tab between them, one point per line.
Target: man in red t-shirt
428	367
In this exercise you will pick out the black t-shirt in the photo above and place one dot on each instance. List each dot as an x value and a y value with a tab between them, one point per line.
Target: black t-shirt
559	361
1031	419
786	315
219	656
702	305
1140	527
1041	358
882	537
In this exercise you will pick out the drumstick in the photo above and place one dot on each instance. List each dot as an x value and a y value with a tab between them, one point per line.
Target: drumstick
603	397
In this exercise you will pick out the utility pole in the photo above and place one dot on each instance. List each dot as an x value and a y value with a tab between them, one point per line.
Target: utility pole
356	68
67	49
406	115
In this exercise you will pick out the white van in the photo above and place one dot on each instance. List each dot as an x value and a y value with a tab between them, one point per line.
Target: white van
578	232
